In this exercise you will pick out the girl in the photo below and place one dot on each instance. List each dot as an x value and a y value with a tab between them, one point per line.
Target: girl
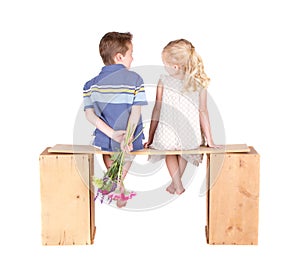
180	117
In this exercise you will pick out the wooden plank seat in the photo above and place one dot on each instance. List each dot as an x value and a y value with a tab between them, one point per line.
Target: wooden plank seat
89	149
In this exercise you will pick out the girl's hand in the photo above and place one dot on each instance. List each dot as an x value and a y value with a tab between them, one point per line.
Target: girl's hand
147	144
214	146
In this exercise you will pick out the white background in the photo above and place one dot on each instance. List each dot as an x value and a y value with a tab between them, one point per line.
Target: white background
49	49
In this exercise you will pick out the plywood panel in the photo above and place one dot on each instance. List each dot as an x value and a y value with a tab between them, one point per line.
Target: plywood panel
67	215
233	198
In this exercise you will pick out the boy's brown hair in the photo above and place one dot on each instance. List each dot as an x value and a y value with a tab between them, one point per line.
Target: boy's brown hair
113	43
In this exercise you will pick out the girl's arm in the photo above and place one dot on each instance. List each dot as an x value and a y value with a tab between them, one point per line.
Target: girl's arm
204	119
117	136
155	114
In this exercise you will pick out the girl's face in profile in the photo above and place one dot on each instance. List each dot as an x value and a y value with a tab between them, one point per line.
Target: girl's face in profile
173	69
170	69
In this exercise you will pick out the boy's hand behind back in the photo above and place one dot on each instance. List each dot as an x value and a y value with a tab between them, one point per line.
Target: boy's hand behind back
118	136
127	148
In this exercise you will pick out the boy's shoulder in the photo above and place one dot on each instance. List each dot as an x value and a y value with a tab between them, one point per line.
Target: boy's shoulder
134	76
91	82
119	77
133	73
123	77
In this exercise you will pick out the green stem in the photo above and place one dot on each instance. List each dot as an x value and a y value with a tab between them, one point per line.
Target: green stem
137	135
121	166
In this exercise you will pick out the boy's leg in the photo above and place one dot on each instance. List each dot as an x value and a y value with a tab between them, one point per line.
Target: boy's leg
107	161
126	167
172	162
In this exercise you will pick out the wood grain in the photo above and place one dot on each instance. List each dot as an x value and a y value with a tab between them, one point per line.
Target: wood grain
67	206
233	198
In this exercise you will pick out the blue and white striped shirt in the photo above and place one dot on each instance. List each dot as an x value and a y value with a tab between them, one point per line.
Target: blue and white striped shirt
112	94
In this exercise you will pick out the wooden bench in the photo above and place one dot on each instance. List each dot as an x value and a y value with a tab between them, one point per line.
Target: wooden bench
68	210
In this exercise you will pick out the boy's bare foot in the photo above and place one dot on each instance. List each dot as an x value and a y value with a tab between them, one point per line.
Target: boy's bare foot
121	203
170	189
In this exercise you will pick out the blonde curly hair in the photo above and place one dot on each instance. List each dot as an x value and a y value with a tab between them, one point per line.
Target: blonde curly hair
181	52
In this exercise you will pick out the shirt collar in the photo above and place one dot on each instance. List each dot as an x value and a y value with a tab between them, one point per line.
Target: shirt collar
113	67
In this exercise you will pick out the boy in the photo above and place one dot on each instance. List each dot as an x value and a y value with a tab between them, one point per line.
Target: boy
113	99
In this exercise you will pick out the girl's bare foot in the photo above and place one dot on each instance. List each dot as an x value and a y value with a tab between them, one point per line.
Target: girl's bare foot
171	188
180	190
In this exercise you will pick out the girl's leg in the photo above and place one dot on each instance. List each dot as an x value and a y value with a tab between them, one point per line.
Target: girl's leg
172	162
182	165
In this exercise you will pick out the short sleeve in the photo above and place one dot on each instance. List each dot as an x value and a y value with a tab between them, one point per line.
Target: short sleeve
87	100
139	94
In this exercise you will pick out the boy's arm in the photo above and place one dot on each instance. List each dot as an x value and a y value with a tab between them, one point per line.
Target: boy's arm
134	116
155	114
132	124
117	136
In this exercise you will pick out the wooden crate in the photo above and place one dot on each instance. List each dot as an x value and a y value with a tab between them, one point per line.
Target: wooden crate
233	198
67	205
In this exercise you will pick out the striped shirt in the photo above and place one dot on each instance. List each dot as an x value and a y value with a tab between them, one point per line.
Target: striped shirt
112	94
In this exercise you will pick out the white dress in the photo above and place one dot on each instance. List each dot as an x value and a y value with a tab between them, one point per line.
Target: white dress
179	123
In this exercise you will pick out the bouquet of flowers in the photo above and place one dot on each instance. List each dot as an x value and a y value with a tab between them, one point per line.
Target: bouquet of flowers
111	186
